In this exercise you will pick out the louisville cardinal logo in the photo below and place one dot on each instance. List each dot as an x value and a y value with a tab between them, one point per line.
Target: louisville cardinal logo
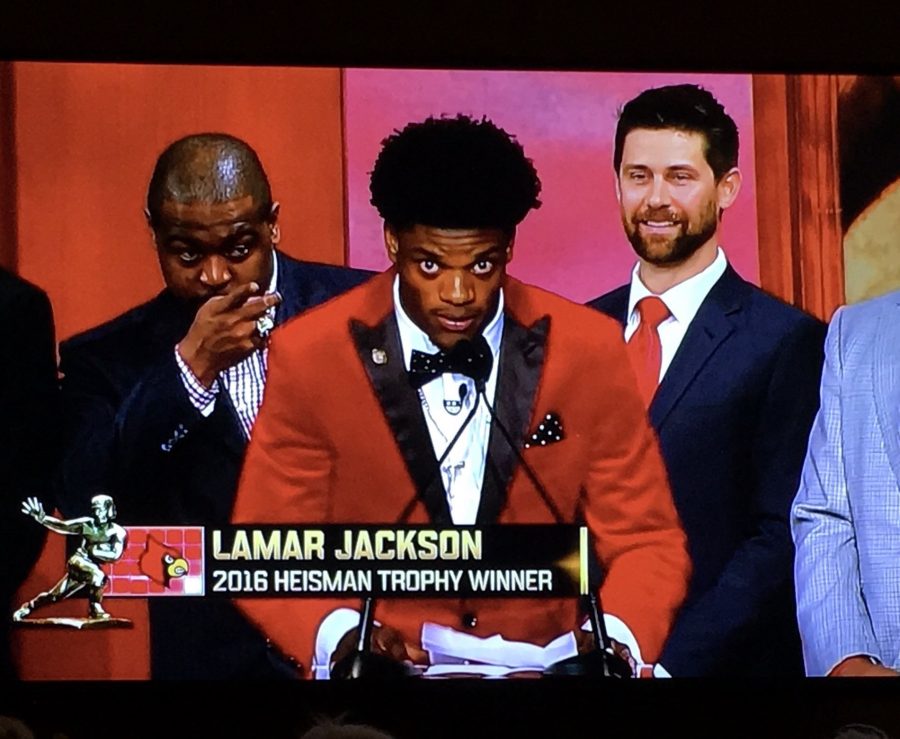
162	563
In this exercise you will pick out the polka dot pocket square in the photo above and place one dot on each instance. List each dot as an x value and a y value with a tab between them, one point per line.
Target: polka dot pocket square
549	431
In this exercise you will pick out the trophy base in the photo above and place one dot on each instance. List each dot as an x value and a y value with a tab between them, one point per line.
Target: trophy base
81	624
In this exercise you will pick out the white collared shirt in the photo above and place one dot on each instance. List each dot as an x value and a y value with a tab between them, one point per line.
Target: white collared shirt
244	382
463	470
683	301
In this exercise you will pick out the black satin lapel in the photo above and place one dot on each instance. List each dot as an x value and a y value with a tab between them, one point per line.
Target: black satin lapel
403	411
493	493
519	372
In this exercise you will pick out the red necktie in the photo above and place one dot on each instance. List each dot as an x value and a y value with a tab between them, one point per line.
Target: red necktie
644	349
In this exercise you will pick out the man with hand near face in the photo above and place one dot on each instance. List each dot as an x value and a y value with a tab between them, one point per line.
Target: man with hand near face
729	375
356	436
159	403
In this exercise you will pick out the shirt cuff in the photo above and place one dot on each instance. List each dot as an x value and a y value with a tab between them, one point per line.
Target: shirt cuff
331	631
202	398
618	630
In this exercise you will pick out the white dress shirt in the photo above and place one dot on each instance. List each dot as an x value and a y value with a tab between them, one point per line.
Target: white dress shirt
683	302
244	382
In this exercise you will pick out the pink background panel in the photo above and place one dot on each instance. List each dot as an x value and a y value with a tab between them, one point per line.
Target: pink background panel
574	244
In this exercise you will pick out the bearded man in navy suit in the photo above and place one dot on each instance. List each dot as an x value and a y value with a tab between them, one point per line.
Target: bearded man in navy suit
730	377
159	403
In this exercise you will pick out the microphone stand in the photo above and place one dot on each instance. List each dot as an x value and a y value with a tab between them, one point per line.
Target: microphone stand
602	660
363	662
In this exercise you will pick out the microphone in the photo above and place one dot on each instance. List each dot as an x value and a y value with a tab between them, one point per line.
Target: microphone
475	360
468	358
602	661
472	359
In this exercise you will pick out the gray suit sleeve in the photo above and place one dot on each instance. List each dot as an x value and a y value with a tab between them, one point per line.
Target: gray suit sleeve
832	615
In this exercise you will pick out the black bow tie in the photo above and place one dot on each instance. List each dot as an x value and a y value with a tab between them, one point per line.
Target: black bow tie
470	358
424	367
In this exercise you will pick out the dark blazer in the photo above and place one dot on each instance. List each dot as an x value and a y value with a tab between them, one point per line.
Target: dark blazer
28	434
733	415
131	429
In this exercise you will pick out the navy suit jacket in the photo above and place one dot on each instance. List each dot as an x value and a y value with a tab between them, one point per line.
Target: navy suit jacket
733	415
130	429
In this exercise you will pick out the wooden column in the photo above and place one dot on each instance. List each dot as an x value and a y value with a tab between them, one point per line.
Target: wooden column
801	252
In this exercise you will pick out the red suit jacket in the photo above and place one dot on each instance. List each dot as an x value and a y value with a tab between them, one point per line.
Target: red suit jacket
341	438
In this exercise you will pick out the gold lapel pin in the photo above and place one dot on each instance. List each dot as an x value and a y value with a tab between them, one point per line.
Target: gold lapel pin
379	356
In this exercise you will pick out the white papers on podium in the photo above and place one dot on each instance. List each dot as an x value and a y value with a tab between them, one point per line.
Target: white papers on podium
453	652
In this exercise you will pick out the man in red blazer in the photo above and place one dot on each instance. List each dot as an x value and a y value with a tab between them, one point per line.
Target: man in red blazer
360	409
